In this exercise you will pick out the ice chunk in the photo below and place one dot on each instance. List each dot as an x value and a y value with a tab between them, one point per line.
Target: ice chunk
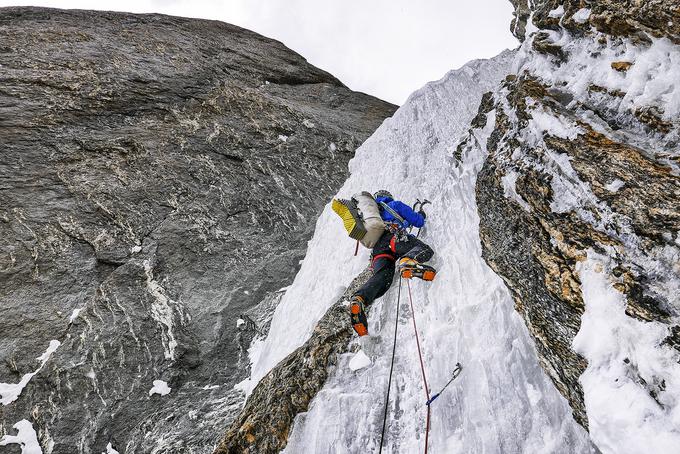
239	322
359	361
160	387
283	138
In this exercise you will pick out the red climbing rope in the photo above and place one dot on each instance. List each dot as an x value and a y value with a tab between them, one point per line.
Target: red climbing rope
422	365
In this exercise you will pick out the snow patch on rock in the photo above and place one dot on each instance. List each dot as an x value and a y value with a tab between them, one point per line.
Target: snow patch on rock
160	387
615	185
581	16
110	450
557	12
26	438
509	181
9	392
74	315
632	384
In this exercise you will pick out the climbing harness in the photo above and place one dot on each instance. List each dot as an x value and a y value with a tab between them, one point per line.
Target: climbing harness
430	399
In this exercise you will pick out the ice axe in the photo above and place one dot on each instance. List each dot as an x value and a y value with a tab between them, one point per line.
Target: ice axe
418	207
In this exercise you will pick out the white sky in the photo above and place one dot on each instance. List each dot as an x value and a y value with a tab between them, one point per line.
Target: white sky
387	48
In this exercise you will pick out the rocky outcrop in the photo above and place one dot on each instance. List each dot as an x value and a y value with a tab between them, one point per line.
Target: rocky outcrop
629	18
573	171
160	176
264	423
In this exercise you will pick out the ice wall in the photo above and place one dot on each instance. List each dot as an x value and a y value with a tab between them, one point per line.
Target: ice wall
502	402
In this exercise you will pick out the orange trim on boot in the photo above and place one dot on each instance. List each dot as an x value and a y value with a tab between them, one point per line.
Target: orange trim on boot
429	275
355	309
360	329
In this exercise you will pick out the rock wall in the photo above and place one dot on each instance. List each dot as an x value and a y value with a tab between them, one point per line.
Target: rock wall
159	178
264	423
584	160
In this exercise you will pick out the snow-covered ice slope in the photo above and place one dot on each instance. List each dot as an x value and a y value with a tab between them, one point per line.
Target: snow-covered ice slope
502	402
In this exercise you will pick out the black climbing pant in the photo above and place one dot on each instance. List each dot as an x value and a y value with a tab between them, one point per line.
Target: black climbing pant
386	252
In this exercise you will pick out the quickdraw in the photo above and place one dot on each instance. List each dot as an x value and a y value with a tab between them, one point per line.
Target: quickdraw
456	372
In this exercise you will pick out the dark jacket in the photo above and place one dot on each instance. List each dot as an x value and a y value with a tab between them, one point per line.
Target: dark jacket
411	218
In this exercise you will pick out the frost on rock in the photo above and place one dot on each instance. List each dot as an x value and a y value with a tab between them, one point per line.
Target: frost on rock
26	438
9	392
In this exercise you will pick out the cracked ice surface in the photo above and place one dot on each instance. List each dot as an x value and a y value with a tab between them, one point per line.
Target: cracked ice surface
502	401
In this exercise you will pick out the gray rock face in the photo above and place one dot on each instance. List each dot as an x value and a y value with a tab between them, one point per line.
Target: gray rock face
159	177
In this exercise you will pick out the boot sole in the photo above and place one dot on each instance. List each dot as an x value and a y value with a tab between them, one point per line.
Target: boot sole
350	216
427	275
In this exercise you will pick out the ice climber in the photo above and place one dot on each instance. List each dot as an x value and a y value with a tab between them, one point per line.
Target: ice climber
394	247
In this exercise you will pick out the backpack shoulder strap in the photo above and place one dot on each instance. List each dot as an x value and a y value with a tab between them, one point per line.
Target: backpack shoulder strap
391	210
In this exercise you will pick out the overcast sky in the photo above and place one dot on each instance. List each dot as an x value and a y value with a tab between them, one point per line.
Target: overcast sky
388	48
